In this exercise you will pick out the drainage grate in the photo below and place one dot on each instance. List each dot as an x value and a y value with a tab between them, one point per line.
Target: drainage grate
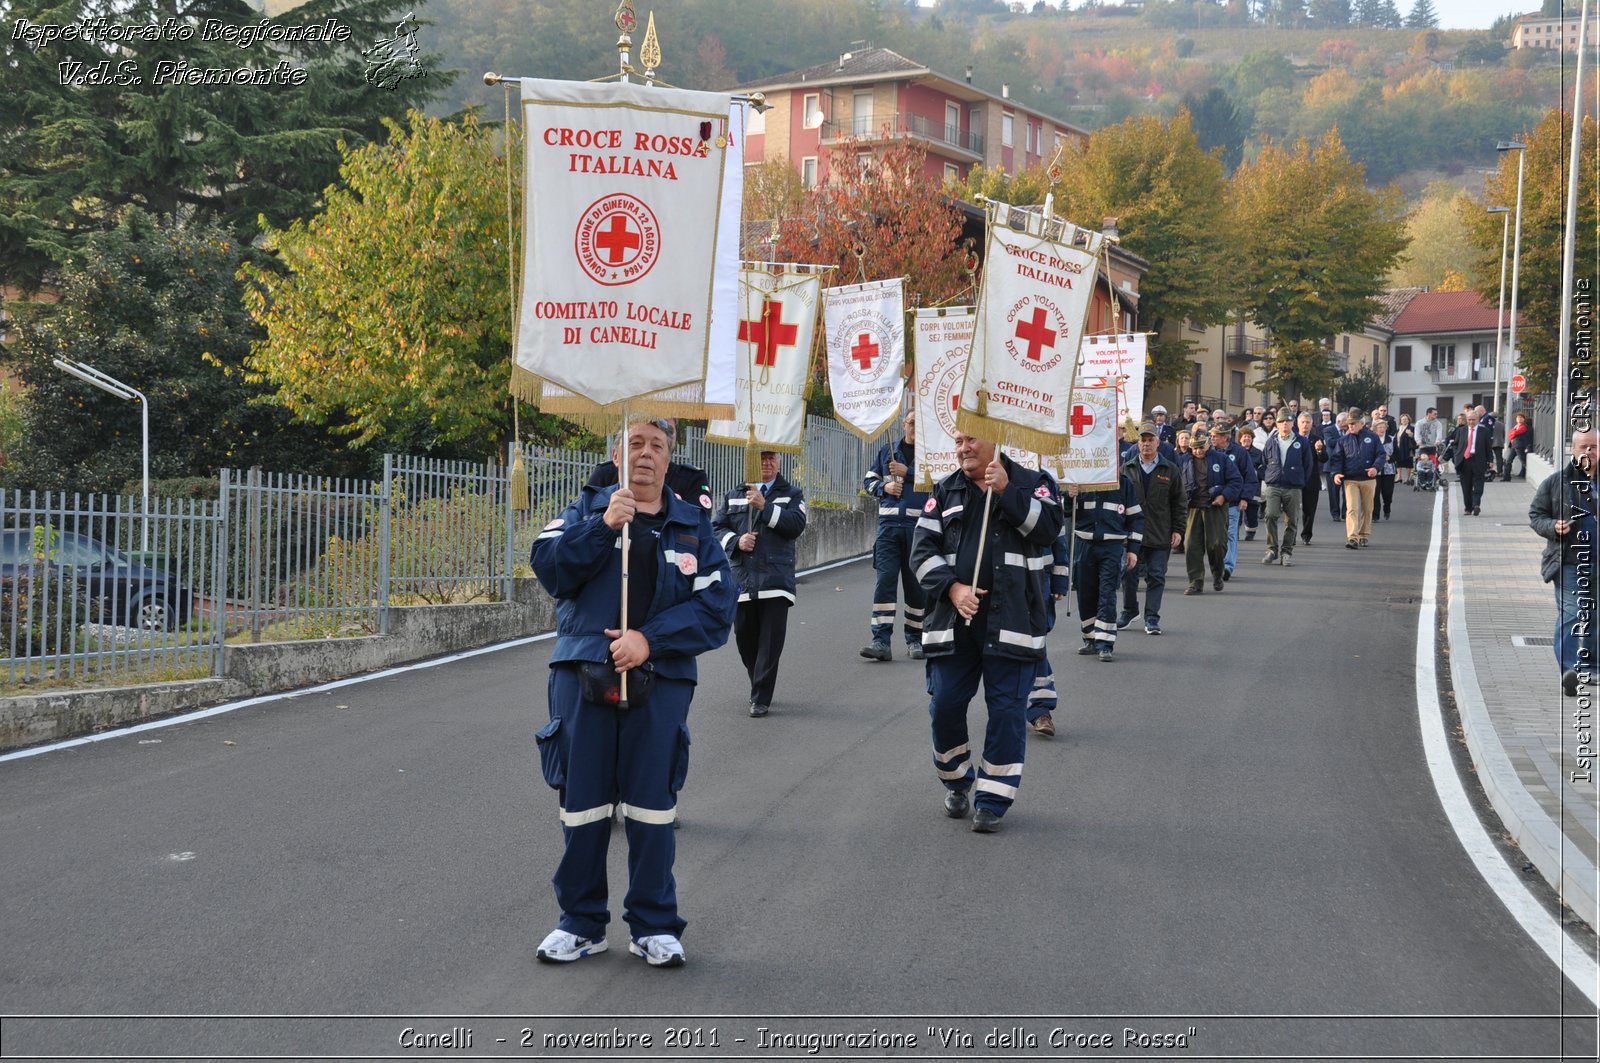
1528	642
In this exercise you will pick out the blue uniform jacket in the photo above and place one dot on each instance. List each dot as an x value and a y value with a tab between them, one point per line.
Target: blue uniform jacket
1355	454
768	570
1026	523
1250	480
1109	515
1222	477
578	559
1290	464
902	511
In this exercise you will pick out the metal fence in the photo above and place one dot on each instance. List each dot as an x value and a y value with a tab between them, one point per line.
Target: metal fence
92	586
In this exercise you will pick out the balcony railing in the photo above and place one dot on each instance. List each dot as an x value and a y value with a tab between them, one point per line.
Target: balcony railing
892	126
1246	347
1451	374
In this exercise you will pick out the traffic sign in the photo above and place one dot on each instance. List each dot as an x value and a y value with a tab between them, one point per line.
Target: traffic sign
1518	383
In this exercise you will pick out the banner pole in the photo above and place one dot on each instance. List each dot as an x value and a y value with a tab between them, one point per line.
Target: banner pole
983	537
626	484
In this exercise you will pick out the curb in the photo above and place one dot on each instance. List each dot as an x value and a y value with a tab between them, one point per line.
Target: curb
1562	864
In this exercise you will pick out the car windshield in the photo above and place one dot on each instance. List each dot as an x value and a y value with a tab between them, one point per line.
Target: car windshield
18	546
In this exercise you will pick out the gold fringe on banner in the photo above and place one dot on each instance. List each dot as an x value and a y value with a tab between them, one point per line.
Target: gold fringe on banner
1005	433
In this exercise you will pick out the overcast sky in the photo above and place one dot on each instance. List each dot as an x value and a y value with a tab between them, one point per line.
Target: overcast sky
1453	14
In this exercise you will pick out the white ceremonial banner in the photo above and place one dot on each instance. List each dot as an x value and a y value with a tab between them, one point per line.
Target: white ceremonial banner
944	339
620	234
866	336
723	362
1037	285
777	324
1117	361
1094	458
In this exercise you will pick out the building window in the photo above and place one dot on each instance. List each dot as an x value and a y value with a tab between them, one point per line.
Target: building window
1402	359
1236	387
863	161
1194	381
1483	355
1195	326
1344	347
1006	122
1443	359
1408	408
952	123
812	110
1447	407
1033	138
861	114
952	172
808	172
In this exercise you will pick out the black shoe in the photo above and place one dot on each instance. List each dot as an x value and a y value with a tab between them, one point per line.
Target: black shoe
955	803
914	651
1217	582
1125	619
1350	544
1361	544
1086	650
985	822
1569	682
1227	573
1152	629
1477	512
876	650
1105	653
1305	540
757	709
1195	588
1249	534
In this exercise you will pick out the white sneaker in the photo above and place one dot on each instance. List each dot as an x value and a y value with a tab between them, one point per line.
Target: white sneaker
659	950
562	947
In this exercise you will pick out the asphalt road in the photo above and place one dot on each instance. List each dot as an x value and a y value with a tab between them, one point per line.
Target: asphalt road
1234	830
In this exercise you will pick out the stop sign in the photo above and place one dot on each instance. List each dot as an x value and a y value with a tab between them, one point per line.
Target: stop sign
1518	383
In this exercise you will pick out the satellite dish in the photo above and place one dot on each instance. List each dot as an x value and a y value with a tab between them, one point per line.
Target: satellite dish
814	119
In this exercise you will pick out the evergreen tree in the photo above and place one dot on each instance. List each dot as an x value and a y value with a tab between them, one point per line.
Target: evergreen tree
1220	125
1328	14
1422	16
80	141
1389	16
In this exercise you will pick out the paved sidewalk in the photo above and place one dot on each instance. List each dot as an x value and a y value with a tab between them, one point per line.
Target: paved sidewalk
1518	726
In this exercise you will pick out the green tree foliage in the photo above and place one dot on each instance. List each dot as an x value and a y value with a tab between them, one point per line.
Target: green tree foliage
391	315
1313	245
1298	369
1438	243
1330	14
72	155
1364	389
156	307
1220	125
1544	207
1422	16
1168	195
1260	70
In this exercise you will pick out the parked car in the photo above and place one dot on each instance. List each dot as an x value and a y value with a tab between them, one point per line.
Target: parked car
119	590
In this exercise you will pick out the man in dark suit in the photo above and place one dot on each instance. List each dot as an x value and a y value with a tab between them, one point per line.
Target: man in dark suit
1472	446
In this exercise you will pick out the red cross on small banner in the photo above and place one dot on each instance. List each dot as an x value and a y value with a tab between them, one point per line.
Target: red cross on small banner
769	333
618	240
1035	334
1082	420
864	351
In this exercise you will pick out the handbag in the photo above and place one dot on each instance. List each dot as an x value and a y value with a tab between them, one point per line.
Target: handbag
599	682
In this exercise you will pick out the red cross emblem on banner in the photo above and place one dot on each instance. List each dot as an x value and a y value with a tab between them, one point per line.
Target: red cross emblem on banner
618	240
1036	334
1082	420
864	351
769	333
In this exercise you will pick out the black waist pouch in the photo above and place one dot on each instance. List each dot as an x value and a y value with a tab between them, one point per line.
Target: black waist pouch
600	683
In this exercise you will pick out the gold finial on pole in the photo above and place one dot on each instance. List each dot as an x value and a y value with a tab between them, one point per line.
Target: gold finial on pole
626	22
650	50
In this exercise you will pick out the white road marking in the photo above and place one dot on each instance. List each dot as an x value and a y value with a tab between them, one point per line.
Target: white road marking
1563	950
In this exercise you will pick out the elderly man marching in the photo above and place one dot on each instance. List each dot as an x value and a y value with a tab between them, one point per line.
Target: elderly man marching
1108	530
987	618
597	754
1163	506
892	480
1288	466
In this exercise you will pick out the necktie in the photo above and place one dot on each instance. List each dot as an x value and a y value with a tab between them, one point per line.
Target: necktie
764	489
1470	434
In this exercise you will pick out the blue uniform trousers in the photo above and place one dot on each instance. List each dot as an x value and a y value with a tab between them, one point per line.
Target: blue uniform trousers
598	758
1098	570
1042	698
891	560
1153	571
1335	496
952	683
1231	558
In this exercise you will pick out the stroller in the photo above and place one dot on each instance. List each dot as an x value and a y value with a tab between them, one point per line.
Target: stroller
1425	476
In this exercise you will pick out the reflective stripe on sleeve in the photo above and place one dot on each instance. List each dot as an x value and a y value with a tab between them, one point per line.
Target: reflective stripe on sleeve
702	582
1034	510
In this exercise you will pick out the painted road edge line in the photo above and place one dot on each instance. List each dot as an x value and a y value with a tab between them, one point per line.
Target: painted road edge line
232	706
1538	924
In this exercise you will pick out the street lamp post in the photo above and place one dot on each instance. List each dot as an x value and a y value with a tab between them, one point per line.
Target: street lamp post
112	386
1516	265
1500	312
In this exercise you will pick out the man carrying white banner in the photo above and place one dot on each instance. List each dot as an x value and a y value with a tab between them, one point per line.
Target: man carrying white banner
776	328
865	329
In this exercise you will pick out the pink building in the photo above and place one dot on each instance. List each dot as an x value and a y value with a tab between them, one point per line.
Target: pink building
875	95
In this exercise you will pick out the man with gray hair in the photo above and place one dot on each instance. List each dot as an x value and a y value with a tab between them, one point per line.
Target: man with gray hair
1563	511
1357	459
1331	430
